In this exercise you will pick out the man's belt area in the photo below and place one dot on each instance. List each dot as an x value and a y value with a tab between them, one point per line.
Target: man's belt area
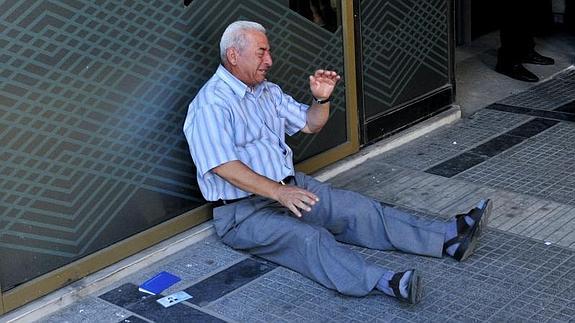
218	203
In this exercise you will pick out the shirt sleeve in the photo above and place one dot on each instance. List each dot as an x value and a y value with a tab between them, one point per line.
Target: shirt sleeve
209	132
294	112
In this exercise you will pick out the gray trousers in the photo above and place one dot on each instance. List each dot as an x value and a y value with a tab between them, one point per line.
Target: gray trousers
309	245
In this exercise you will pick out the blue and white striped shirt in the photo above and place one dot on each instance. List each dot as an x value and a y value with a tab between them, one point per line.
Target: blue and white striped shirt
228	121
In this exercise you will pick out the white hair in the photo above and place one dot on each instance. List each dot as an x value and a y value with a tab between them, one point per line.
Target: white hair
235	37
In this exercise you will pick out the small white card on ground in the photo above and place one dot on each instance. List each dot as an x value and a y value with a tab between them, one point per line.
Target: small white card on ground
174	299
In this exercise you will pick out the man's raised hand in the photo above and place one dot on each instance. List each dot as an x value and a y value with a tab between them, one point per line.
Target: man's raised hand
322	83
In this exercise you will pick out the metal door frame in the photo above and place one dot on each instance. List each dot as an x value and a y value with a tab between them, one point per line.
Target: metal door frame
351	97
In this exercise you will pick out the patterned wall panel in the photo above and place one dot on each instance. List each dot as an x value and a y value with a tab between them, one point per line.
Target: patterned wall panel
299	47
93	94
405	51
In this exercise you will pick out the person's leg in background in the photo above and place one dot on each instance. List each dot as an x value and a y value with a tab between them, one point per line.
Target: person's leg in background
517	21
539	20
570	16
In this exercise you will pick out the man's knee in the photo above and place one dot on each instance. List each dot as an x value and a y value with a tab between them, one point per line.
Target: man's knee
313	239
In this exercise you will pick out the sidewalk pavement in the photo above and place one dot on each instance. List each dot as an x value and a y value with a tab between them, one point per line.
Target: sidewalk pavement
520	152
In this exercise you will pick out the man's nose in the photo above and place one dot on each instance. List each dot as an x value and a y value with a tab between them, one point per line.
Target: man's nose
268	59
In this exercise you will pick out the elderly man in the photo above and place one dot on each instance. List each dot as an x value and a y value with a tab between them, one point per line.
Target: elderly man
236	128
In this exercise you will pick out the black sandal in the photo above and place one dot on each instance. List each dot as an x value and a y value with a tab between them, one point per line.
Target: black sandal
414	289
468	236
483	215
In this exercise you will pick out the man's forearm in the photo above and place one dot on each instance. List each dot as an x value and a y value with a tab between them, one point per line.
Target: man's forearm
321	85
292	197
243	177
317	116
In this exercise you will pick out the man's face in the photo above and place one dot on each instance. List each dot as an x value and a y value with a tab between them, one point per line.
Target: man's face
253	62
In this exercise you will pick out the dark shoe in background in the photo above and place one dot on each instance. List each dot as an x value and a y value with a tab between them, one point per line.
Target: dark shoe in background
533	57
517	71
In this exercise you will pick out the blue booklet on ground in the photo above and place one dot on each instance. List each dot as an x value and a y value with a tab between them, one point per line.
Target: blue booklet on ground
158	283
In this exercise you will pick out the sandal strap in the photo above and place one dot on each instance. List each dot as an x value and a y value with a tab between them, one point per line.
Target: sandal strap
461	239
394	283
451	242
462	226
459	251
475	213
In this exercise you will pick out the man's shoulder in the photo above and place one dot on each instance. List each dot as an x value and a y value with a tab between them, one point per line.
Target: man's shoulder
273	87
218	86
214	92
274	90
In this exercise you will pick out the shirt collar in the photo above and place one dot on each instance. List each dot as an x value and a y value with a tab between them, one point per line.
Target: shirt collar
239	87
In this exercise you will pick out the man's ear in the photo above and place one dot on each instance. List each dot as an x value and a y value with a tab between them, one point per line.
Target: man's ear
232	55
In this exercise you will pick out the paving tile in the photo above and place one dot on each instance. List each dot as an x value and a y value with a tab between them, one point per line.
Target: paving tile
87	310
496	145
228	280
457	164
192	264
538	167
548	95
128	297
448	142
531	128
563	236
549	214
527	211
568	108
540	114
133	319
468	199
509	283
493	147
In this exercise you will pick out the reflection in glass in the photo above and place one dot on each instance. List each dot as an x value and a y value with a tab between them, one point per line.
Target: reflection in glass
322	12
